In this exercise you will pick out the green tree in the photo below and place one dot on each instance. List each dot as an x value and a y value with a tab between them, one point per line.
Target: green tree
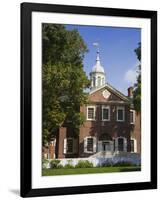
137	86
63	79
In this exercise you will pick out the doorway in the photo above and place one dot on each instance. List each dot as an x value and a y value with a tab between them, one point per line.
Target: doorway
106	146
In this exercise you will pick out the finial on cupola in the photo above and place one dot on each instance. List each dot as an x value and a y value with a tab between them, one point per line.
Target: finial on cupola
98	74
96	44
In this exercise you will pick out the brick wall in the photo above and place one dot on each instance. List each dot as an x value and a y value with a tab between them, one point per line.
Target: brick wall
112	127
97	127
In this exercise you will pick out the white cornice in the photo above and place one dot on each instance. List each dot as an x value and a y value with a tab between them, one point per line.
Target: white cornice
111	88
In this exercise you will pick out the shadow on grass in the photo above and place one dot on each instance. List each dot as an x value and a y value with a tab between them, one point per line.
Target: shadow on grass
130	169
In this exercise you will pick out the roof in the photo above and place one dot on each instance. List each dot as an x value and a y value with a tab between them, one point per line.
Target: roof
112	89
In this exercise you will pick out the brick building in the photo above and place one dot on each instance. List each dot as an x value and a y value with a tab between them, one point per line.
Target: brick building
111	125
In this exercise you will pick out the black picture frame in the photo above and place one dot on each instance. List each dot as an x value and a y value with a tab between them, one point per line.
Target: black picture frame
26	100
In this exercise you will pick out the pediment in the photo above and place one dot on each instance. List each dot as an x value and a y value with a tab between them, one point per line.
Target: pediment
107	93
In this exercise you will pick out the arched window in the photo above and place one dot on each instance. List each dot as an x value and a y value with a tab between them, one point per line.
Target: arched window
99	81
94	81
103	81
90	144
120	144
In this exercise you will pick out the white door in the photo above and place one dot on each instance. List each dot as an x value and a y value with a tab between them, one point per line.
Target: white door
106	146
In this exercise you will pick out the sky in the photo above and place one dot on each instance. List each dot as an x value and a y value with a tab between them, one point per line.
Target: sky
117	54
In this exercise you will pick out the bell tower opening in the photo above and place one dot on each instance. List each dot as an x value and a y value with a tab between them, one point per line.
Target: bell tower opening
97	74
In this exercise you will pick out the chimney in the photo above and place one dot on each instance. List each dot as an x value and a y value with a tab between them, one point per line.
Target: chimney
130	92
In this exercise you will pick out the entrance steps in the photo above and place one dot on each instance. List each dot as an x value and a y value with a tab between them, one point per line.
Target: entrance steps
103	154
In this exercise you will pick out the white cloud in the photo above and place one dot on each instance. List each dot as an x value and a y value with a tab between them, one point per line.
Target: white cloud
131	74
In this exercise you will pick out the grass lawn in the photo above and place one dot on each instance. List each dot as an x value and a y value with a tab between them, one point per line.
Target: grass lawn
52	172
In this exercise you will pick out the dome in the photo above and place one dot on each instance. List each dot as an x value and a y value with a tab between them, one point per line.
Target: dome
98	68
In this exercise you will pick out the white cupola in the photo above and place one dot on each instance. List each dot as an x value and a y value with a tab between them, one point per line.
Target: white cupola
97	75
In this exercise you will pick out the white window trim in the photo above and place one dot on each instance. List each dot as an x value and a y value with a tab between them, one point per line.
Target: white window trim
69	138
121	108
94	144
133	117
125	144
106	107
94	113
135	145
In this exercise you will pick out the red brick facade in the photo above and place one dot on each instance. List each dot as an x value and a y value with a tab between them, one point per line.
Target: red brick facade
110	135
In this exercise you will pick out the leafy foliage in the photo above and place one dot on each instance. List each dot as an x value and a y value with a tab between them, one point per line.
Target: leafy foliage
54	163
84	164
69	164
45	163
123	164
63	79
137	90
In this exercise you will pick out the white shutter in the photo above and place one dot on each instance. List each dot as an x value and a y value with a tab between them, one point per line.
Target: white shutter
125	144
112	145
116	144
94	144
75	145
85	145
65	145
135	145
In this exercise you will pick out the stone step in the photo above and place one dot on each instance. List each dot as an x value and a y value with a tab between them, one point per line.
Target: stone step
102	154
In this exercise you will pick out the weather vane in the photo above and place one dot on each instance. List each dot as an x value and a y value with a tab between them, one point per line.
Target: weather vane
96	44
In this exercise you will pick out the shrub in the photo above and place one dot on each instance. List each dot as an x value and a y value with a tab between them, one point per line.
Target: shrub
107	164
60	166
123	164
54	163
69	164
84	164
45	163
111	163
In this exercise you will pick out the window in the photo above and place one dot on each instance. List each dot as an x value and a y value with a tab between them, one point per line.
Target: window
90	113
105	113
132	116
103	81
99	81
90	144
120	144
94	81
120	113
68	145
132	145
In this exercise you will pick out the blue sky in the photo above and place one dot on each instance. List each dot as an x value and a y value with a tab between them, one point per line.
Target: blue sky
116	52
